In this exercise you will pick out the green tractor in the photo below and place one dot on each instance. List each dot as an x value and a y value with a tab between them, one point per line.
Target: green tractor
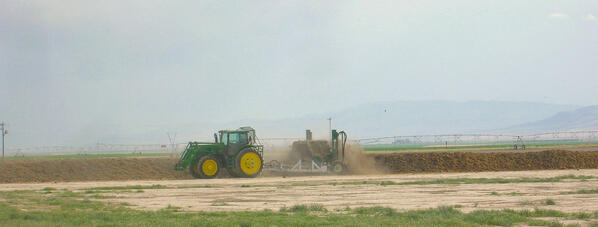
234	150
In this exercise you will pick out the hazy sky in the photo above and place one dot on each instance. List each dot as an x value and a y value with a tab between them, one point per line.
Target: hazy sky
92	67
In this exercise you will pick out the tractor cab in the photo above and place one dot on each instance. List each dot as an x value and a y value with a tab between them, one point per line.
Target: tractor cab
233	140
244	135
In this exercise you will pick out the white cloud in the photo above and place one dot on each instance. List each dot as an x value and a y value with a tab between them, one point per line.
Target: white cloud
590	17
559	16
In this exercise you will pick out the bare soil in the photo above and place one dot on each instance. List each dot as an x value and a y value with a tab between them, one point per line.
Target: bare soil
120	169
92	169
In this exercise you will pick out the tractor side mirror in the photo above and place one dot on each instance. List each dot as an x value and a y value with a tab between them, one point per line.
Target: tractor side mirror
215	138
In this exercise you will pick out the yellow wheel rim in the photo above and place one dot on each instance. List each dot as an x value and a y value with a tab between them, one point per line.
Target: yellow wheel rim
250	163
209	167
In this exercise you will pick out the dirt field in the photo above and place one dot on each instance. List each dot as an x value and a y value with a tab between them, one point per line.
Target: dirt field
93	169
338	192
114	169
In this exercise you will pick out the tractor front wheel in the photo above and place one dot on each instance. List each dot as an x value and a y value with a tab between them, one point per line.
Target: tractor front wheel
248	163
206	168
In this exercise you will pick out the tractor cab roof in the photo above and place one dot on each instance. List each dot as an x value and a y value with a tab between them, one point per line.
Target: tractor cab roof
241	129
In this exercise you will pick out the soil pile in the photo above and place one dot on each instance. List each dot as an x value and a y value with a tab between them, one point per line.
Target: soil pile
94	169
492	161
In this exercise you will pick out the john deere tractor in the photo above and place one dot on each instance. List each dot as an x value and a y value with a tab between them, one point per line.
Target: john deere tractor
233	150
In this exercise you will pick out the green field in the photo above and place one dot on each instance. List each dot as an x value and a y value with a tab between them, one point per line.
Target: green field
53	207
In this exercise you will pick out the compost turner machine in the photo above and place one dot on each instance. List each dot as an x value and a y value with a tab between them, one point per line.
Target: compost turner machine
314	156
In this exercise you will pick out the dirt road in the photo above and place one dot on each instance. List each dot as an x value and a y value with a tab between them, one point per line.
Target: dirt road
338	192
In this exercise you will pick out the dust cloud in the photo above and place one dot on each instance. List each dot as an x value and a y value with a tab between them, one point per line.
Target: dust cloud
359	163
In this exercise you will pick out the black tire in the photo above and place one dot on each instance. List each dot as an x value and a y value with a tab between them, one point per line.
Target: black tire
251	163
198	172
338	167
193	169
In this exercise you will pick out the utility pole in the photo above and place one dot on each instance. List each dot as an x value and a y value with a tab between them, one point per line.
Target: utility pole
330	129
4	132
172	143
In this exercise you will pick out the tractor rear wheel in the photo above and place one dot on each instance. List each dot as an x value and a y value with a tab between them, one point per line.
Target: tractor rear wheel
249	163
206	168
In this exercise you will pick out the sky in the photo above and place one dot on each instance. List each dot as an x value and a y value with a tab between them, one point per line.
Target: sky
73	71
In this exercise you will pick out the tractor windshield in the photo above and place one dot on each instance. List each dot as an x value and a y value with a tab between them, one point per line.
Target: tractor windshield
237	138
233	138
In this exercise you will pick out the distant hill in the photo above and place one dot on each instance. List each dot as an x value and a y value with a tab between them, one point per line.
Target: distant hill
585	118
360	121
381	119
411	117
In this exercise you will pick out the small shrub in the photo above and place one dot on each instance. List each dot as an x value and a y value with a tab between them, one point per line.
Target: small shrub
317	207
298	208
172	208
494	193
549	202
